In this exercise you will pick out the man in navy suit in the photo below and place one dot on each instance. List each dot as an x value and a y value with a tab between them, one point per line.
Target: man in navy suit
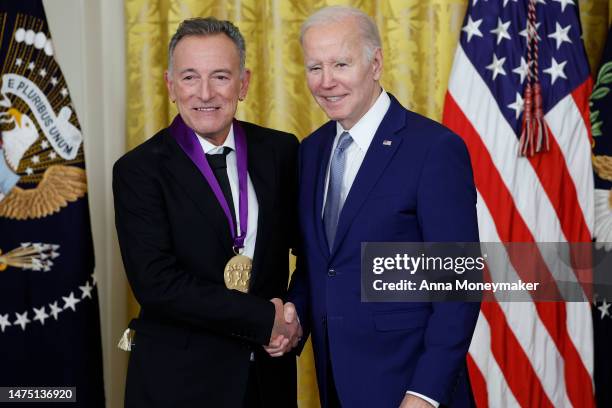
376	173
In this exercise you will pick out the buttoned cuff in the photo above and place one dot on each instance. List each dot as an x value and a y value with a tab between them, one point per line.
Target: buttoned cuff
434	403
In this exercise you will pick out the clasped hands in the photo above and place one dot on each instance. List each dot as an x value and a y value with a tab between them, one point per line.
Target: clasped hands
286	332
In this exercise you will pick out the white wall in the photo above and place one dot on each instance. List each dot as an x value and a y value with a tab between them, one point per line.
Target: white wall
89	40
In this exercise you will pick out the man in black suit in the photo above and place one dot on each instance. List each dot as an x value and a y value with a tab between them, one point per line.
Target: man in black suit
187	202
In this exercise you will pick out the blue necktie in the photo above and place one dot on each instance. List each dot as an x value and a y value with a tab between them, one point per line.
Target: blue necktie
333	206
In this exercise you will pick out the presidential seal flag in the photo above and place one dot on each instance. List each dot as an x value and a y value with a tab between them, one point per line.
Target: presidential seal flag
518	96
49	318
601	120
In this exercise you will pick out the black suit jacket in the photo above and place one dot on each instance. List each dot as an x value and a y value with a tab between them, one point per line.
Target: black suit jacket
194	337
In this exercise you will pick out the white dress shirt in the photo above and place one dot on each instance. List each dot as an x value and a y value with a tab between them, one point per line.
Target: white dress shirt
362	133
232	175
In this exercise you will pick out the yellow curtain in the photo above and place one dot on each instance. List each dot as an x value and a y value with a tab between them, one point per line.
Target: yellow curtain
419	39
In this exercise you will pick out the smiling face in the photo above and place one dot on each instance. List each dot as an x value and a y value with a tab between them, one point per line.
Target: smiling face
341	79
206	84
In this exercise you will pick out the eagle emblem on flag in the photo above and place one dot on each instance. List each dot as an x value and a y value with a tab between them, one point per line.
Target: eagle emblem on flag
601	106
41	155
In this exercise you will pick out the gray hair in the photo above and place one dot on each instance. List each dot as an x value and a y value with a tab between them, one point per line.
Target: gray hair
203	27
335	14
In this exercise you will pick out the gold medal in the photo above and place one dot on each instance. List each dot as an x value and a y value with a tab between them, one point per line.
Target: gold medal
237	273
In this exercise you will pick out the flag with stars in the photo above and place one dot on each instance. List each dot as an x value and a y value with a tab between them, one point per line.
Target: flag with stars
518	96
49	318
601	121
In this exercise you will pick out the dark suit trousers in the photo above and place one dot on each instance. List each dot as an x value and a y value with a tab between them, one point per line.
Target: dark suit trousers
332	394
252	396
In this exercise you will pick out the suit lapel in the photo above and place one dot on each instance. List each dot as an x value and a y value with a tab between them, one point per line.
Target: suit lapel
187	175
377	158
262	171
325	146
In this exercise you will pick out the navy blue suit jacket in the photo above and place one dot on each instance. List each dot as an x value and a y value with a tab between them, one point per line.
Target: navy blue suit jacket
418	188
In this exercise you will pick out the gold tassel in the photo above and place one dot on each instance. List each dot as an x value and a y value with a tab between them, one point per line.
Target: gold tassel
126	343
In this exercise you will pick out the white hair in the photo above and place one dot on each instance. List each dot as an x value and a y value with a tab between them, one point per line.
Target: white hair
335	14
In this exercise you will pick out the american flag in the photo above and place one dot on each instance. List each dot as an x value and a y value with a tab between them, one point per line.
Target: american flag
530	354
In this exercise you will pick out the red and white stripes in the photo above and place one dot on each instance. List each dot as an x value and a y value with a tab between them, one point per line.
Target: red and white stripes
533	353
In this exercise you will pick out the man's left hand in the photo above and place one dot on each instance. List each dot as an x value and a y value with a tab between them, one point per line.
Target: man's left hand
412	401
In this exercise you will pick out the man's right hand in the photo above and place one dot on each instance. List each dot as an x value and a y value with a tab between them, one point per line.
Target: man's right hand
286	332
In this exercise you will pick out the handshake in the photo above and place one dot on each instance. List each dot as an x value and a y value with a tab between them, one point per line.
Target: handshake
286	332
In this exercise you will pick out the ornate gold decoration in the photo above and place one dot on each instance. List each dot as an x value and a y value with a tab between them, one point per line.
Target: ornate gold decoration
41	155
59	186
237	273
30	256
603	167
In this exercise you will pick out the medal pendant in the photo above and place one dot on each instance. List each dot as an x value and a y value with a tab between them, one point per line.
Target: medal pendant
237	273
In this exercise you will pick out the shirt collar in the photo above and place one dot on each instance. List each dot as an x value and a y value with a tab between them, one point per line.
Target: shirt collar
363	131
210	148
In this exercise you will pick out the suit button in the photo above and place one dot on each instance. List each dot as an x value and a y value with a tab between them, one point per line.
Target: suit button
331	272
